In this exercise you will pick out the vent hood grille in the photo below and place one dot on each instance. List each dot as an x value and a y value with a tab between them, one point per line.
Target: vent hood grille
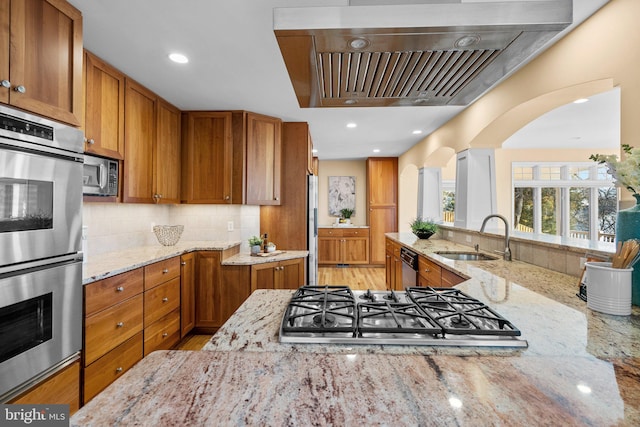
411	55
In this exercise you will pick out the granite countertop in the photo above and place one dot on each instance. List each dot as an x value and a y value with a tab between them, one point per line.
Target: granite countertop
581	367
343	226
248	259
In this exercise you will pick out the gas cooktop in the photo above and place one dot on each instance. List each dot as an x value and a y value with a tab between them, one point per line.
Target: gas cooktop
417	316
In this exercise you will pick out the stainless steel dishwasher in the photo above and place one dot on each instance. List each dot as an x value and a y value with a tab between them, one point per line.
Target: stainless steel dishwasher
409	267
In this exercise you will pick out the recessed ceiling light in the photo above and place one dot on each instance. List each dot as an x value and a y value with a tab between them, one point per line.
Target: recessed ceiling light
351	125
179	58
315	150
580	101
376	150
358	43
417	132
350	101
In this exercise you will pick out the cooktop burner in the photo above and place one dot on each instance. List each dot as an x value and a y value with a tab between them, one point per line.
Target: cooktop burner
417	316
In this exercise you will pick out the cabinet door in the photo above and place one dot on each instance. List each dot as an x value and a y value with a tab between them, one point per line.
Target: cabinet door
166	170
291	274
381	221
46	59
208	295
382	180
140	135
188	293
397	273
388	270
329	250
263	276
207	157
263	159
5	8
355	250
104	108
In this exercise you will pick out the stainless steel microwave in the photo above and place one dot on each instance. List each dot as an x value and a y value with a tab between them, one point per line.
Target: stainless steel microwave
100	176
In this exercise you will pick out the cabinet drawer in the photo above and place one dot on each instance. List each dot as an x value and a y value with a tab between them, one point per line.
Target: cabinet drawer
161	272
449	278
430	271
111	366
162	334
329	232
161	300
105	293
358	232
107	329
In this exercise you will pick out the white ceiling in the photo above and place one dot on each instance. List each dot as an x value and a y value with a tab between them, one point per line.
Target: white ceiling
235	63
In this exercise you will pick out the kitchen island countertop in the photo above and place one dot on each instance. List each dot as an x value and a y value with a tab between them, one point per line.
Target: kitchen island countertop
581	368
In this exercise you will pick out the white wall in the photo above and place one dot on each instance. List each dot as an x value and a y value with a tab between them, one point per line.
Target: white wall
117	226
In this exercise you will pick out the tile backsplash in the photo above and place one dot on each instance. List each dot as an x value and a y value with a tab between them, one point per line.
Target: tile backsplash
110	227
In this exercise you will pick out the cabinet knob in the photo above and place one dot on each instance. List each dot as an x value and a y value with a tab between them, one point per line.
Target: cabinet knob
156	198
89	141
5	83
165	271
165	299
227	197
119	369
20	89
426	270
183	263
120	289
164	335
120	324
276	198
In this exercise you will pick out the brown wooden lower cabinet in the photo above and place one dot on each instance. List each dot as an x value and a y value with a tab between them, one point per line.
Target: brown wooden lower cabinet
187	293
163	333
63	387
111	366
287	274
343	246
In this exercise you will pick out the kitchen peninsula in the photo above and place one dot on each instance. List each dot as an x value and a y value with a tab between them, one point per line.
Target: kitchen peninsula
581	368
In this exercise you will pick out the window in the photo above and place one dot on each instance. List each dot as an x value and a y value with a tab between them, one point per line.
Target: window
448	200
577	200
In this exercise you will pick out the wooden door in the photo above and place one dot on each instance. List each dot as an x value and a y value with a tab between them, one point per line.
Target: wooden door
356	250
382	177
140	135
187	293
166	165
263	276
381	221
104	108
206	157
208	295
46	59
329	250
291	274
263	159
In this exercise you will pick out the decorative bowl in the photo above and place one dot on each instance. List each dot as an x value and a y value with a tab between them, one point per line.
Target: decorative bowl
424	234
168	235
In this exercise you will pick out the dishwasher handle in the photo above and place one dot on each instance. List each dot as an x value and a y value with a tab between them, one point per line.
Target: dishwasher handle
409	257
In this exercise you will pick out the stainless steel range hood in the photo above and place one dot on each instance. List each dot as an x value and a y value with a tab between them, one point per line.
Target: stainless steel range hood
411	55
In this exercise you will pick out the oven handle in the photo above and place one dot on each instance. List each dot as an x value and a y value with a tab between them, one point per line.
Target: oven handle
103	177
48	262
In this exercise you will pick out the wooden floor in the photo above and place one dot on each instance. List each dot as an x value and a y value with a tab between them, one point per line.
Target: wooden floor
355	277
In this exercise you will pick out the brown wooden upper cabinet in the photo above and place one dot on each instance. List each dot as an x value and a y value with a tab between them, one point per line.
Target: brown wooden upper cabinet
231	157
264	158
104	108
41	65
207	157
152	147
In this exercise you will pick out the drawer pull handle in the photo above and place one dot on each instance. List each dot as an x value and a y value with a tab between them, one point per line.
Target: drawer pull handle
120	289
165	299
120	324
165	271
164	335
426	270
118	369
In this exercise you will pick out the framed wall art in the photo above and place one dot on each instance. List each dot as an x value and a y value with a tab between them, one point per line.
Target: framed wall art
342	194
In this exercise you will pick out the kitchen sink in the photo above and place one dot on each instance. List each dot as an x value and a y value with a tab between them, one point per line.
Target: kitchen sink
466	256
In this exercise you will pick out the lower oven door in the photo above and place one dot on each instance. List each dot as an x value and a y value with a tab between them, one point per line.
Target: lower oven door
40	205
40	321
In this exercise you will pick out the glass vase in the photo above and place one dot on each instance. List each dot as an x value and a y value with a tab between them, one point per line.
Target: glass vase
628	227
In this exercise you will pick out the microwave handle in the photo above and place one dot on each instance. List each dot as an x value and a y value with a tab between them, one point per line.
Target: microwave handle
103	177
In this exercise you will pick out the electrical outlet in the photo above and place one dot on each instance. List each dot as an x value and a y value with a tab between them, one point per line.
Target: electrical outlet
583	260
230	226
468	239
450	234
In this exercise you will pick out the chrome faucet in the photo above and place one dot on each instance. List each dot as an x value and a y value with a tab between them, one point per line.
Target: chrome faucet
507	252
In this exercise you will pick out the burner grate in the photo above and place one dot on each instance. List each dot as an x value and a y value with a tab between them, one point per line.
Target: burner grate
321	309
394	317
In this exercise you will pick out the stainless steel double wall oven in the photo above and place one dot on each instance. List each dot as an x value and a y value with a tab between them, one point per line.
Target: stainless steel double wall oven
40	248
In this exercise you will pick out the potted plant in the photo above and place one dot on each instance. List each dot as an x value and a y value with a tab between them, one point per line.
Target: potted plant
423	228
346	214
255	243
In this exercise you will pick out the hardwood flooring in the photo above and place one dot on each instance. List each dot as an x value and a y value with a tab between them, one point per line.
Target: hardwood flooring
362	278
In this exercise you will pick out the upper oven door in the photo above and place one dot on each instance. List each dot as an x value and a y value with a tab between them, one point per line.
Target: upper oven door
40	205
